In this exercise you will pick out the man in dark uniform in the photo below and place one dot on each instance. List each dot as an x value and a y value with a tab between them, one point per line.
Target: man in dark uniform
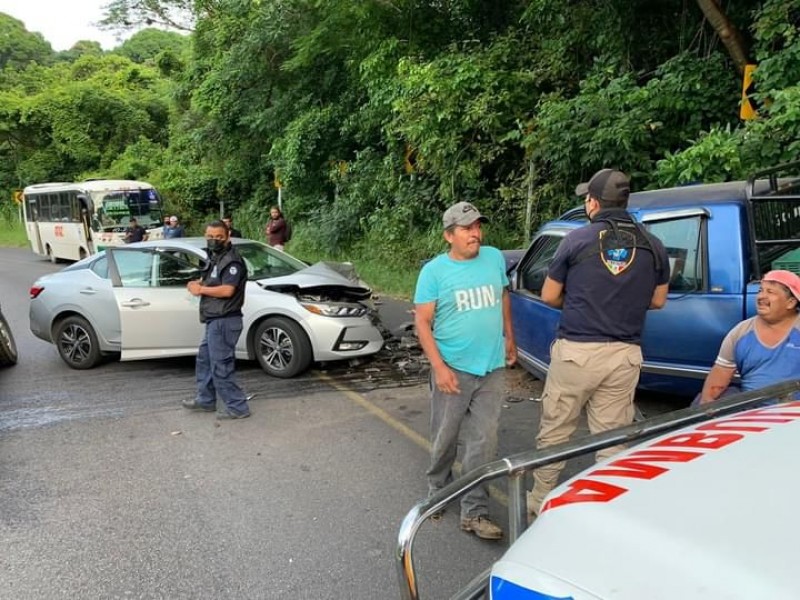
221	292
134	232
605	276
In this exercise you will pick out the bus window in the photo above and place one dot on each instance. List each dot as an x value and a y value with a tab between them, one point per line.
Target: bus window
44	208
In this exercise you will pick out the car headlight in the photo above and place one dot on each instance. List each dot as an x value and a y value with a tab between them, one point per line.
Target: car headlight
335	309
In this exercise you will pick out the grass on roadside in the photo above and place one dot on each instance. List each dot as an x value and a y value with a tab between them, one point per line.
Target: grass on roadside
396	280
12	233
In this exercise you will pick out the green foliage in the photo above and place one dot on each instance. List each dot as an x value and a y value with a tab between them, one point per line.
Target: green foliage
146	45
20	47
626	121
81	48
375	115
772	138
12	230
460	113
712	157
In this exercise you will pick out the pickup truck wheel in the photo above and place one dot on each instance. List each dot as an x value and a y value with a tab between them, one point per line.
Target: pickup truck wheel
8	348
76	342
282	347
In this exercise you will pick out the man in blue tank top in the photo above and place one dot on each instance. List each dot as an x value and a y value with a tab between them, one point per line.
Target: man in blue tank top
764	349
463	320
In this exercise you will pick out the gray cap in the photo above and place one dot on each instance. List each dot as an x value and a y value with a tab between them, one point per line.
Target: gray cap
462	214
608	185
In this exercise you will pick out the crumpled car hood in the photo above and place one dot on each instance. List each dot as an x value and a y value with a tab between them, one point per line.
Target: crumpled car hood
325	278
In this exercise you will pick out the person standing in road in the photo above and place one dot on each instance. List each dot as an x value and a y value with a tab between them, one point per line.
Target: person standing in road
174	229
275	229
228	220
606	276
134	232
764	349
221	291
463	320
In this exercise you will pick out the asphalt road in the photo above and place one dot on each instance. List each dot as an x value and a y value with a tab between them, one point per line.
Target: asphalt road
109	489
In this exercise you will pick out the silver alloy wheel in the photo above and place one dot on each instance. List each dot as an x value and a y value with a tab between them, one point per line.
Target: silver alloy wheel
281	347
75	344
276	348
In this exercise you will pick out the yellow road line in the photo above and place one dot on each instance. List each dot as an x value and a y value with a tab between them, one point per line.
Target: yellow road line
378	412
403	429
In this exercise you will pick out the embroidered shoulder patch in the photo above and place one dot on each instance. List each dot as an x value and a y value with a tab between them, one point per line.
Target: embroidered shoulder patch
616	259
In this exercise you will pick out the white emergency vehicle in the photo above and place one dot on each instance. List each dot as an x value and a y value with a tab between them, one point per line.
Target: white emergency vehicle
707	512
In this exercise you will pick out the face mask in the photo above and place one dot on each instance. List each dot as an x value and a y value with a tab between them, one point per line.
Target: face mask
215	246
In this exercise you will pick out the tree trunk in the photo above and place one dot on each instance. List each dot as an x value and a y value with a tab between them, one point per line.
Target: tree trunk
726	31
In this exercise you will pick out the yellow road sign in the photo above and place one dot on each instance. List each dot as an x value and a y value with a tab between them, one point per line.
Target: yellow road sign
18	196
748	110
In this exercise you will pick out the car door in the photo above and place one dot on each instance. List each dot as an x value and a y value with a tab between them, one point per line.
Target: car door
158	316
681	341
535	322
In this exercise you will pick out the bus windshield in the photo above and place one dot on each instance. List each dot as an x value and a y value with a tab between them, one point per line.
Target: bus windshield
114	208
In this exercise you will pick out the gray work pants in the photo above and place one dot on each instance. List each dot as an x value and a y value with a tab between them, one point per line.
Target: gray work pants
469	418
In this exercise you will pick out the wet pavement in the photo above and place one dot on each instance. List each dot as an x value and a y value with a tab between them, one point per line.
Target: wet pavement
113	490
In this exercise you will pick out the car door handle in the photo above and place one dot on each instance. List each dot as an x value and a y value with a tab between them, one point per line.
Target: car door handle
88	291
135	303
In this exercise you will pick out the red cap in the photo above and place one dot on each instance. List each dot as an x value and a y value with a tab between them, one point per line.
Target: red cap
787	278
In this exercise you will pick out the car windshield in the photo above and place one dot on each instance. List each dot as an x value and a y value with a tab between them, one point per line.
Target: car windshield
263	262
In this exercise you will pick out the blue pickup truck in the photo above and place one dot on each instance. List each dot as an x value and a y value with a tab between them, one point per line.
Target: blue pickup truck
720	238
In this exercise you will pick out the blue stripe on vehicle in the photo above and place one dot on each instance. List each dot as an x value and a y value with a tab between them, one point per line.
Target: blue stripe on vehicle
505	590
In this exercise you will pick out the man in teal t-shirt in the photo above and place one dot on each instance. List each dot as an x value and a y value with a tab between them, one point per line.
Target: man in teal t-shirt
463	320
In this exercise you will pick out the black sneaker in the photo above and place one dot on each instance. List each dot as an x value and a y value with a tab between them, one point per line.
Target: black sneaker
193	405
226	414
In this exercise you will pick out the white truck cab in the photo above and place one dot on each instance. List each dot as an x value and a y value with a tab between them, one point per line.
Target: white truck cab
709	512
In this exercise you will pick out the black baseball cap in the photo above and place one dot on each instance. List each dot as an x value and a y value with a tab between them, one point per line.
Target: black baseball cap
608	185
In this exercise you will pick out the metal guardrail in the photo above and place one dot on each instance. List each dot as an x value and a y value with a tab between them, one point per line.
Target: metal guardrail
516	466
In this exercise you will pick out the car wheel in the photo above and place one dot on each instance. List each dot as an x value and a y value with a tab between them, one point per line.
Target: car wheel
76	342
282	347
8	348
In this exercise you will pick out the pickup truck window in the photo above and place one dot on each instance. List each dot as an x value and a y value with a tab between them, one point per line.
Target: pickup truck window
534	271
777	227
683	241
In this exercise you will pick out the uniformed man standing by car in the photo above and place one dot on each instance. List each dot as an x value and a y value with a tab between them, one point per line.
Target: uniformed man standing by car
221	292
605	276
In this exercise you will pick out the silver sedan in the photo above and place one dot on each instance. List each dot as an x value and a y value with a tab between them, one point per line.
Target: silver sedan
132	302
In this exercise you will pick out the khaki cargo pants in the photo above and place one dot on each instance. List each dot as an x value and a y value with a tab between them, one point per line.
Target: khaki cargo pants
599	375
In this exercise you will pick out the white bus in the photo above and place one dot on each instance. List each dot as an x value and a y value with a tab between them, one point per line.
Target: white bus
73	220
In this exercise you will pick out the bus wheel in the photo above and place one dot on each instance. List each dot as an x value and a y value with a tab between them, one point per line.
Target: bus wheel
76	342
50	255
